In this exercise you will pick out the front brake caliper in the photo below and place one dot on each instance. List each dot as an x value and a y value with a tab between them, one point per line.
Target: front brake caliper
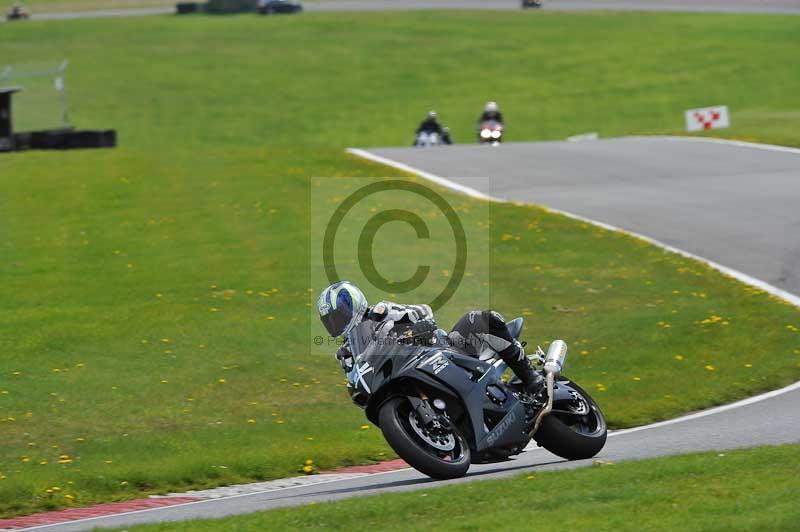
425	413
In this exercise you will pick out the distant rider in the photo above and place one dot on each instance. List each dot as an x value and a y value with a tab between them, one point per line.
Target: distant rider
431	124
342	307
491	113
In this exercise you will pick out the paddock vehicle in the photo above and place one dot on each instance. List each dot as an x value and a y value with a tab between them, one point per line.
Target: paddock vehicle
531	3
490	132
273	7
17	13
442	409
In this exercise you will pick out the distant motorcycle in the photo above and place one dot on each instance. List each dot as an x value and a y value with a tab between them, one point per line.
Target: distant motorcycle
490	132
426	139
442	409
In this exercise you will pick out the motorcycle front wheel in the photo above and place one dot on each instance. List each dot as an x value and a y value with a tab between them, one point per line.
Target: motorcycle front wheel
440	454
575	429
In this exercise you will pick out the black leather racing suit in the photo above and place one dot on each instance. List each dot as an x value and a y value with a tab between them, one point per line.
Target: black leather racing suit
430	125
392	318
479	333
482	333
487	116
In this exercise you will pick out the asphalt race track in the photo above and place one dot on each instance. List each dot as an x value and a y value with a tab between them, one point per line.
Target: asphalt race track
735	204
773	420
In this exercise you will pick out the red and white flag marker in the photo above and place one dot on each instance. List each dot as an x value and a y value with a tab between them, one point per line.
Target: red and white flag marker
707	118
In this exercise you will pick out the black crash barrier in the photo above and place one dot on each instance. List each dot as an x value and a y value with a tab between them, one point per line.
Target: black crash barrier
185	8
48	139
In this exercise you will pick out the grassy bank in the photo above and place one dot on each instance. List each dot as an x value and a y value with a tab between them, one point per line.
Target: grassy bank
154	321
738	490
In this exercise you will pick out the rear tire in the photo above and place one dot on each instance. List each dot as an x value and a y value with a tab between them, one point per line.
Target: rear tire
557	436
413	450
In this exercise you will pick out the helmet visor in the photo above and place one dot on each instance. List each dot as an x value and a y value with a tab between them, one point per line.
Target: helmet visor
335	322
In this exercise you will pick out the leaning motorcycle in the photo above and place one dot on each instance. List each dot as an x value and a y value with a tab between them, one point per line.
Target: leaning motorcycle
442	409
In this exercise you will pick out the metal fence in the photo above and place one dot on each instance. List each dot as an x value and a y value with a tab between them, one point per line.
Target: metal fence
42	103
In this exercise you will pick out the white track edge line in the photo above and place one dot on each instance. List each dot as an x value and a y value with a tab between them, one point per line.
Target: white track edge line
730	272
203	501
739	143
715	410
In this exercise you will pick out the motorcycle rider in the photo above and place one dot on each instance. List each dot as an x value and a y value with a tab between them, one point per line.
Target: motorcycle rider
342	307
431	124
491	112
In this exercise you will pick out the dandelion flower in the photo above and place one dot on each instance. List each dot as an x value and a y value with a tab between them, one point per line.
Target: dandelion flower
709	367
251	421
364	427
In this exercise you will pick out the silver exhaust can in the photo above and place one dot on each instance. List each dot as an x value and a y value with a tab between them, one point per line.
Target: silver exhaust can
556	357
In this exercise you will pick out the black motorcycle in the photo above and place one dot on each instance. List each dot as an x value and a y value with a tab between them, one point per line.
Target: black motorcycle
442	409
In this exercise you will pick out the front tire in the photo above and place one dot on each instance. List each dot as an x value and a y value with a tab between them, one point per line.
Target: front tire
570	435
393	420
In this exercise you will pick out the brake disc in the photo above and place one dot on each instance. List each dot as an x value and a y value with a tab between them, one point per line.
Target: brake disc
443	441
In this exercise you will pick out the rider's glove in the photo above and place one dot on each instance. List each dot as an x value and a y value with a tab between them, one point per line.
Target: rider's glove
345	358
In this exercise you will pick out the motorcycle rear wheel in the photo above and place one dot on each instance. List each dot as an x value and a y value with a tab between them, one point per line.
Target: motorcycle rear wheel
393	420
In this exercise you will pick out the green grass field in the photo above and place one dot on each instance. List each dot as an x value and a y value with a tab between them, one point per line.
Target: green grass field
137	353
735	490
